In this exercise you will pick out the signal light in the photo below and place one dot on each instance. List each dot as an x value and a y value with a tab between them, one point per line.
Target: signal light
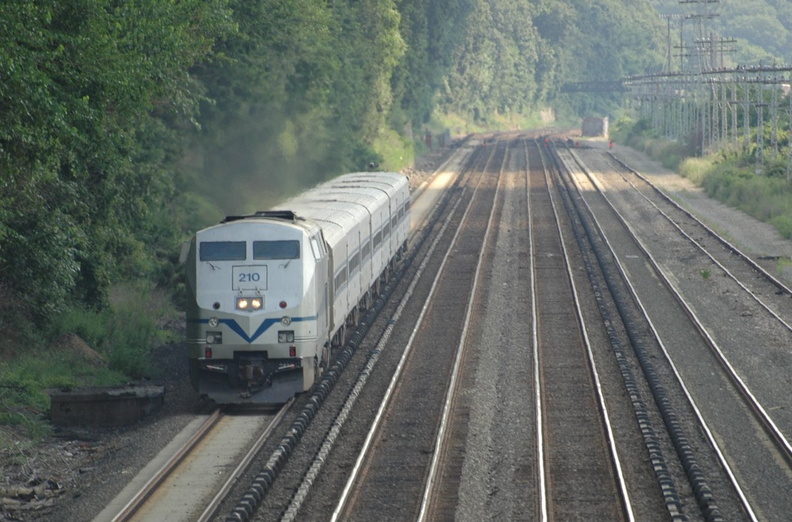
292	351
208	352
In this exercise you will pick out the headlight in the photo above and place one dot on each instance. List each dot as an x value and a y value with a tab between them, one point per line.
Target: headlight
286	336
249	303
214	337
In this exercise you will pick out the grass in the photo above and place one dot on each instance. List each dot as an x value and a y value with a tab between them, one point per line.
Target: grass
728	176
697	169
396	152
783	265
108	347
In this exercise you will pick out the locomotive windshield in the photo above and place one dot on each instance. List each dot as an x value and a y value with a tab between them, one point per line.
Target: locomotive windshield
289	249
222	251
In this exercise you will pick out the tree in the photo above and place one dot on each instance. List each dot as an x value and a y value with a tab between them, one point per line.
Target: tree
85	86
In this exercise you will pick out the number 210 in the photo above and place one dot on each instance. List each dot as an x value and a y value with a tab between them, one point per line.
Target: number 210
251	277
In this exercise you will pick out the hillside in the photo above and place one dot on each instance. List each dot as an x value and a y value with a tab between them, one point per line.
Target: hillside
762	28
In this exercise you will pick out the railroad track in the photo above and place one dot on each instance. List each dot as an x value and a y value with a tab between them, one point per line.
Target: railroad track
400	444
695	287
412	461
583	473
536	357
196	476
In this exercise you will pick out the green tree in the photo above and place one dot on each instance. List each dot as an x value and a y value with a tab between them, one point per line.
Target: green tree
303	90
90	92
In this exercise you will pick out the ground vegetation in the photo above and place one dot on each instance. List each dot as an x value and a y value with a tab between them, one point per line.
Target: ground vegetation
746	176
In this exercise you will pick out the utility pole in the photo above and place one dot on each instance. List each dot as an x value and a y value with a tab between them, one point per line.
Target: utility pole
695	102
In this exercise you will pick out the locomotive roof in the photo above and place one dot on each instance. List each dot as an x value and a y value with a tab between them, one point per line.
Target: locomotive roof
282	216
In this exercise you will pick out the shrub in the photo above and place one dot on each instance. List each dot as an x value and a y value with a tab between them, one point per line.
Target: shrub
132	328
696	169
783	224
125	332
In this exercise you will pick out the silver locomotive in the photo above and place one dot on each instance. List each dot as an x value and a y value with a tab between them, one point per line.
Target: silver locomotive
272	293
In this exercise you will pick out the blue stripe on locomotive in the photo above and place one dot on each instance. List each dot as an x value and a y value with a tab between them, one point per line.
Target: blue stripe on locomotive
263	327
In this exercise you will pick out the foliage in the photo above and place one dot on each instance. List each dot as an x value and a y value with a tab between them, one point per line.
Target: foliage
762	28
301	97
125	332
88	91
395	151
606	41
125	126
696	169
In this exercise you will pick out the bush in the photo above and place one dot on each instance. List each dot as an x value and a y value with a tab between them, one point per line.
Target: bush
124	333
132	328
783	224
696	169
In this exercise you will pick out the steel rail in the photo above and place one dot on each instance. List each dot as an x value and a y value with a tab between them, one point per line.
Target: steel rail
451	391
702	423
357	470
780	285
243	465
766	420
627	508
167	469
537	376
302	491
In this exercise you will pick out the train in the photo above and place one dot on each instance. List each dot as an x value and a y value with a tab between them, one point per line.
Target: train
271	294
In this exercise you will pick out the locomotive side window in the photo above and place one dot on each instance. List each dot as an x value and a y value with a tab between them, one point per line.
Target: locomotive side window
222	251
366	250
289	249
317	250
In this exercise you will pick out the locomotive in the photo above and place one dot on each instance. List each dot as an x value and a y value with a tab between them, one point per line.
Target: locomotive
271	294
